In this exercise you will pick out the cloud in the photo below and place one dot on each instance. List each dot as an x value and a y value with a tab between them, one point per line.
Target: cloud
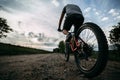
118	17
55	2
87	9
113	12
104	19
4	9
97	13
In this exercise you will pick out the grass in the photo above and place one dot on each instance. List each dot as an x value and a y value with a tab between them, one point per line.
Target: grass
8	49
114	55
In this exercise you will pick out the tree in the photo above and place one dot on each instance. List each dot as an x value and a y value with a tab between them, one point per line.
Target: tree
4	27
115	36
61	46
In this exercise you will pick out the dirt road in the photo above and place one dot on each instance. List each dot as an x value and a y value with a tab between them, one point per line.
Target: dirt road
48	67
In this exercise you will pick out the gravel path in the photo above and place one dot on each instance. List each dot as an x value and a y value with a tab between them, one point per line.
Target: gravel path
48	67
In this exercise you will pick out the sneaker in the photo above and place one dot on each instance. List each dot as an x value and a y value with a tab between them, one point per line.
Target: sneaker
68	37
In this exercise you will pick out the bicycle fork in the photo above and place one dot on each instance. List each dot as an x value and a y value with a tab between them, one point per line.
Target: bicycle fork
77	45
74	44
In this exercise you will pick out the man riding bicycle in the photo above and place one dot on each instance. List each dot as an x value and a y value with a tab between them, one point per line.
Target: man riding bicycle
88	44
73	17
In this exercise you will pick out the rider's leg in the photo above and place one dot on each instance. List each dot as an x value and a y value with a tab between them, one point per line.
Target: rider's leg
66	27
78	21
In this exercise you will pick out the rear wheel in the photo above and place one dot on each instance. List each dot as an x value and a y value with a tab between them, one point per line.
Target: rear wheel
91	59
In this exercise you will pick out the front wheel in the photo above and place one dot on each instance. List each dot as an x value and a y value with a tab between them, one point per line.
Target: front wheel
94	50
67	51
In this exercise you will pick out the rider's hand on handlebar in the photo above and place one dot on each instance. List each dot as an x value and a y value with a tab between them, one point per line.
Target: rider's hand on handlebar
59	30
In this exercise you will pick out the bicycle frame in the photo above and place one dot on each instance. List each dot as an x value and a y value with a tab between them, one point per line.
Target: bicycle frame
74	43
73	48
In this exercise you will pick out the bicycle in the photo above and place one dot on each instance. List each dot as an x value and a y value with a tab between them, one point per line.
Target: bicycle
90	49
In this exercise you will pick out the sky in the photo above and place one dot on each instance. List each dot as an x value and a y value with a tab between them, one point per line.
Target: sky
35	22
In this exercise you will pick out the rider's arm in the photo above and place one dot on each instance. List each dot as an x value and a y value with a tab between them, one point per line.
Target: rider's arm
61	18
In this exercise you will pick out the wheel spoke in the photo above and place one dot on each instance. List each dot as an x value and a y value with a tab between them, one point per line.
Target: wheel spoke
89	37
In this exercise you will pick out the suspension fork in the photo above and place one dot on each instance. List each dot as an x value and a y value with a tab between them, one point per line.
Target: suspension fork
74	44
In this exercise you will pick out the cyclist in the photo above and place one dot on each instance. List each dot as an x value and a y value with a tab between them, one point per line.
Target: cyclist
74	17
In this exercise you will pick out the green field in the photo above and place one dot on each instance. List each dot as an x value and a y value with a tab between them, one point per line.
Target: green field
8	49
